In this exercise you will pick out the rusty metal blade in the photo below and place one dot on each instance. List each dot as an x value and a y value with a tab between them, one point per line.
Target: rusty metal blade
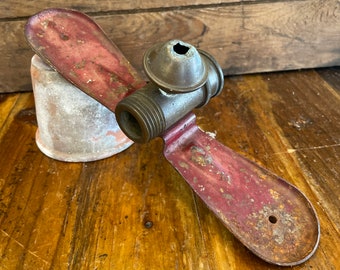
267	214
74	45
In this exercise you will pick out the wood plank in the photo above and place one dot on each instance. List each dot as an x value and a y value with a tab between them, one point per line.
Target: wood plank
245	38
133	211
11	9
15	59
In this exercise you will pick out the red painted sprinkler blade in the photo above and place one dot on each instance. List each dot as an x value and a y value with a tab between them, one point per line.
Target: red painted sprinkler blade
268	215
75	46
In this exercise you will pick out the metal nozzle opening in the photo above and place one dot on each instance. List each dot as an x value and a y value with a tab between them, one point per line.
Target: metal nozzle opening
131	125
181	49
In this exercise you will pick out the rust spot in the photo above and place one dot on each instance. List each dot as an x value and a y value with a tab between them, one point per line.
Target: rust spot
199	156
64	36
80	64
224	177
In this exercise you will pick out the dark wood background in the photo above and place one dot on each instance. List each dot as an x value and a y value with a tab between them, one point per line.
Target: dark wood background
244	36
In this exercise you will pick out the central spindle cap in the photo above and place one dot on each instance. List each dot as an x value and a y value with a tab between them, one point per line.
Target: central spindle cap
175	66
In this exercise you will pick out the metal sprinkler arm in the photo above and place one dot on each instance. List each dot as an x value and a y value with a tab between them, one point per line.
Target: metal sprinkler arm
75	46
271	217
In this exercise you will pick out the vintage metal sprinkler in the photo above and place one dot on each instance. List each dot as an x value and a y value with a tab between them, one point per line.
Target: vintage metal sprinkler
267	214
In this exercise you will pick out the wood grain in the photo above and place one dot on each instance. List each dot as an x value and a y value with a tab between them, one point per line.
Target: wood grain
245	37
16	8
133	211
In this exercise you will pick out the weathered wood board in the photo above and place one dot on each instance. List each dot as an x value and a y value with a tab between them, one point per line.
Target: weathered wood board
244	36
18	8
134	211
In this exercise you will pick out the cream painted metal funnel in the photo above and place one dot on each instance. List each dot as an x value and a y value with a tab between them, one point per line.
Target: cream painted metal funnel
72	126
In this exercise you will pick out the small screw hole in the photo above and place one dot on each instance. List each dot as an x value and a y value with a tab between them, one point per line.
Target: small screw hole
181	49
272	219
148	224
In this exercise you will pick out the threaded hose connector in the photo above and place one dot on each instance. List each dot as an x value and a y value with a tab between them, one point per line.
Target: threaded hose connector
142	117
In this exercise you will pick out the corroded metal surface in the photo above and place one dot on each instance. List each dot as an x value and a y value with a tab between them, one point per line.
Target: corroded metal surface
78	49
72	127
268	215
175	66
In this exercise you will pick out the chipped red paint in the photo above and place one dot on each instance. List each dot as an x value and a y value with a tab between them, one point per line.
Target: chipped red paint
268	215
79	50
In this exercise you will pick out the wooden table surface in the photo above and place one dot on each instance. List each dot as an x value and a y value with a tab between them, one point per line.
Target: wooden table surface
134	211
